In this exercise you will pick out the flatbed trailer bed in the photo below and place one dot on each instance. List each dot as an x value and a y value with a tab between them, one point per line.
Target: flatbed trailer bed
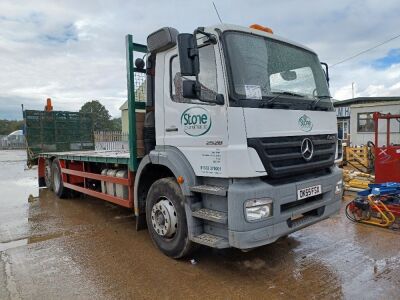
120	157
85	171
79	172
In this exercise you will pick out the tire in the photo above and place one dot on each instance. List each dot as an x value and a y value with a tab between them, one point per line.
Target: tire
165	202
47	174
57	183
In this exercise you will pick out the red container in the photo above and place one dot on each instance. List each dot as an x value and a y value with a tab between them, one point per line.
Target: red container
387	158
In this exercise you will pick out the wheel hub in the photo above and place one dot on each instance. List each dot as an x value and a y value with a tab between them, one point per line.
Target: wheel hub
164	218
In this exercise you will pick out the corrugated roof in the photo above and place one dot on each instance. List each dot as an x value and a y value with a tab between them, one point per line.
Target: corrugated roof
361	100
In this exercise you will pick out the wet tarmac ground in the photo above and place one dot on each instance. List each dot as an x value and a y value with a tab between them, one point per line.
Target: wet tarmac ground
87	248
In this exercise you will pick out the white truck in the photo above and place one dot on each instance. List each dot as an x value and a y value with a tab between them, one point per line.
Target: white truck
236	147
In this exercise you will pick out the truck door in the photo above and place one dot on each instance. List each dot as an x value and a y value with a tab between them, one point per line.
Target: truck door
197	128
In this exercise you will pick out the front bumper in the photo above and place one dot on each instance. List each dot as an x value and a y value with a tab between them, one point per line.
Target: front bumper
245	235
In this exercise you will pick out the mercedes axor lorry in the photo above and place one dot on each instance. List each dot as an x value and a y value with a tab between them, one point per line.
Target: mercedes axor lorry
232	141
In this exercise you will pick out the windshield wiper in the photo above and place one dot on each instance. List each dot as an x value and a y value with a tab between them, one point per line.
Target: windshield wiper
279	94
269	105
313	104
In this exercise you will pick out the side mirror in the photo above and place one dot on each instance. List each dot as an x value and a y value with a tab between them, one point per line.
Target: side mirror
189	89
192	90
188	54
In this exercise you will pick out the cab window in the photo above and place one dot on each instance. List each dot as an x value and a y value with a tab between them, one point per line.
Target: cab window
207	76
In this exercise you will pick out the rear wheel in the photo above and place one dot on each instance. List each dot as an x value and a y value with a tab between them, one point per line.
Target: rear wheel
47	174
57	183
166	218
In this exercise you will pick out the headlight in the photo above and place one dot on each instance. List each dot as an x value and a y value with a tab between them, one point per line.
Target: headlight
338	187
258	209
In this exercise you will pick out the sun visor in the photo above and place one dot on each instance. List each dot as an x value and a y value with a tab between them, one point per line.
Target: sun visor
162	39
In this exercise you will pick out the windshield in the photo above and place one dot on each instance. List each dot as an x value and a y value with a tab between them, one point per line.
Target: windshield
266	69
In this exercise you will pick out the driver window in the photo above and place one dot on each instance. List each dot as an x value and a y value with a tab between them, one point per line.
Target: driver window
207	77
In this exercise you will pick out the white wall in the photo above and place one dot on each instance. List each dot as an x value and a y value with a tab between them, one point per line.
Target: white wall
125	120
361	138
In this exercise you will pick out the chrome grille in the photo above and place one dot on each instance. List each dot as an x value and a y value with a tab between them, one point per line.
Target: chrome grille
281	156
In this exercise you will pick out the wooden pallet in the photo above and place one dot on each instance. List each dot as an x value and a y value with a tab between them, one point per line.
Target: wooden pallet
358	158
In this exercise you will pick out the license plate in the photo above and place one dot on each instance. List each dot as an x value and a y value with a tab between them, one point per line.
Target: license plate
309	192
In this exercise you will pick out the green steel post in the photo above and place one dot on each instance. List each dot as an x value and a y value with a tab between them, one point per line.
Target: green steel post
131	103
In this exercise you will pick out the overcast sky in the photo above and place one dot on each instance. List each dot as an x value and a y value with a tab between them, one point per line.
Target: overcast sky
73	51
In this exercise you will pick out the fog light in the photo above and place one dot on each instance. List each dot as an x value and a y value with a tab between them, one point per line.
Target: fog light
338	187
258	209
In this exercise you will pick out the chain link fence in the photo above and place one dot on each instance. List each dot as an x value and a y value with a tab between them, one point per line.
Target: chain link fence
12	142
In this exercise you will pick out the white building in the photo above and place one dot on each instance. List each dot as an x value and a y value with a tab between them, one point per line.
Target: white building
140	96
15	140
124	117
355	119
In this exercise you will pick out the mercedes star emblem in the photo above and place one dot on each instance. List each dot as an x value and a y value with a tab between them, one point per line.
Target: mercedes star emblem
307	149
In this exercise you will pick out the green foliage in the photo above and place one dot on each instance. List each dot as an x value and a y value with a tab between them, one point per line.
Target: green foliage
116	124
101	116
7	126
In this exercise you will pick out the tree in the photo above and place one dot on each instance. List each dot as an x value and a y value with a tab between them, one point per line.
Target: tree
101	116
8	126
116	124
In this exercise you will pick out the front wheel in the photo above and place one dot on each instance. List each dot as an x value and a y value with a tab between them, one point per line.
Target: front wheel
166	218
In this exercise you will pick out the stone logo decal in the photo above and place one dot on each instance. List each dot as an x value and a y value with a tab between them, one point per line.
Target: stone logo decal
196	121
305	123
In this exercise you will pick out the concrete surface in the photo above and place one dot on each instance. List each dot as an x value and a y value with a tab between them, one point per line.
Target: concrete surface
87	248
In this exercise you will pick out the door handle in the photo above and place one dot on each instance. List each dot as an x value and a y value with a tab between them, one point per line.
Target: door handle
171	129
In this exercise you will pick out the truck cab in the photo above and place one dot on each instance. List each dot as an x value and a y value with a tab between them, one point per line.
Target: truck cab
232	141
240	137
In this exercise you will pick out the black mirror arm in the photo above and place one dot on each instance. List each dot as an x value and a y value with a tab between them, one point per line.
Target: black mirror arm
211	37
326	71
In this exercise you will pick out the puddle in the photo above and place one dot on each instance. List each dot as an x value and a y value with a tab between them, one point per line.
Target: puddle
13	244
42	238
31	240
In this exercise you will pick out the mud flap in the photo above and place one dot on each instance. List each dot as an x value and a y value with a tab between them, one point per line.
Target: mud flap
41	182
41	172
141	222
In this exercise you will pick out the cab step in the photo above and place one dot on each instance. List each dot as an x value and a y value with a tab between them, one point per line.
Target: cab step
211	240
209	189
211	215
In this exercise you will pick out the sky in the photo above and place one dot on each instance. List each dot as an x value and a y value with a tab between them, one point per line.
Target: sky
74	51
